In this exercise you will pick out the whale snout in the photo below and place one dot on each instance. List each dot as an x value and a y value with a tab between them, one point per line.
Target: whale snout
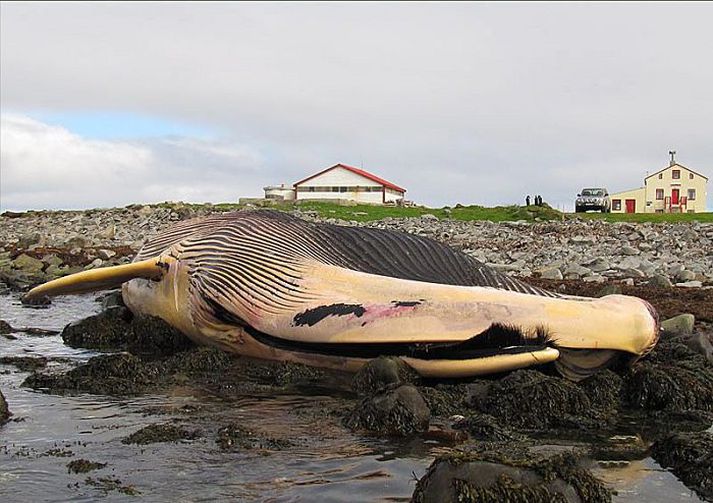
655	333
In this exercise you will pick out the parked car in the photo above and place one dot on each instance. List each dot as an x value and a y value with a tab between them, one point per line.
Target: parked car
593	199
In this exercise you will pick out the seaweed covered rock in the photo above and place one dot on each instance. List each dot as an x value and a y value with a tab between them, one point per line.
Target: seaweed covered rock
446	399
690	457
4	411
620	447
397	411
277	373
672	378
5	327
701	344
126	374
199	360
155	433
380	373
531	400
83	466
603	390
108	375
237	437
484	427
118	329
107	330
515	476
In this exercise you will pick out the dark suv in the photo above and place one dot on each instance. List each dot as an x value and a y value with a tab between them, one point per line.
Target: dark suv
593	199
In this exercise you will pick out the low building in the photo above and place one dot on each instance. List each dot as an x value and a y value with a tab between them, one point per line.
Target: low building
346	182
674	189
279	192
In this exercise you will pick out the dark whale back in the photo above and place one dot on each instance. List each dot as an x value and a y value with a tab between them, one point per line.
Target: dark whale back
389	253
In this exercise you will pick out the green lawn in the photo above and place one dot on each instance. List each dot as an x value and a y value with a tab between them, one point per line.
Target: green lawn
364	213
648	217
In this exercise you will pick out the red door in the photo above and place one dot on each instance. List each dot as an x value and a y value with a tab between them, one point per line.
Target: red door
631	205
674	196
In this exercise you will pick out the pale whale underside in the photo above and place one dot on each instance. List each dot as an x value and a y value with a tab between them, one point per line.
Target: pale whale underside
286	284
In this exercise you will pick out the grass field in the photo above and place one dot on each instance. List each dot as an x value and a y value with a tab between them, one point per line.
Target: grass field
647	217
364	213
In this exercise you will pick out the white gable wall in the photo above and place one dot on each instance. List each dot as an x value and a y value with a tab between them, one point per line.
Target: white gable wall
359	188
339	177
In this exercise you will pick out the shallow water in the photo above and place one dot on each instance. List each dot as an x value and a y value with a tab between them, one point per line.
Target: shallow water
326	463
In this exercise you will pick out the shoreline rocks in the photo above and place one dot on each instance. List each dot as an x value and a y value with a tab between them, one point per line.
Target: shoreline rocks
42	245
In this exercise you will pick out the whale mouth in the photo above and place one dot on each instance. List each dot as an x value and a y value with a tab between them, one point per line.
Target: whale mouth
496	340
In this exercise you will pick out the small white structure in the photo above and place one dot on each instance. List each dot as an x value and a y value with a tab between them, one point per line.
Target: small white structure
279	192
346	182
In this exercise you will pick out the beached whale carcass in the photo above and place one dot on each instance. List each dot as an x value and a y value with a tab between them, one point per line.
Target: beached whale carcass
269	285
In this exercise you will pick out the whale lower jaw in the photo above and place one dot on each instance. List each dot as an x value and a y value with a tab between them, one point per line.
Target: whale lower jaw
510	341
456	360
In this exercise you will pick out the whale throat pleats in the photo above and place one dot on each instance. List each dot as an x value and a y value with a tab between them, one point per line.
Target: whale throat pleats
264	252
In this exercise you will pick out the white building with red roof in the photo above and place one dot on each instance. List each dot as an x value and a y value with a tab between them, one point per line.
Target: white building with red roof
346	182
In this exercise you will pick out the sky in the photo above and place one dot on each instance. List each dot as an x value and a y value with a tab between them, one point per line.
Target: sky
108	104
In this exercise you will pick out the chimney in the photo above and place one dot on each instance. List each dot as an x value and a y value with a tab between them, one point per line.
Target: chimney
672	153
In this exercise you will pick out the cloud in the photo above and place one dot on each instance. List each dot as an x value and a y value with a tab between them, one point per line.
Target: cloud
45	166
458	102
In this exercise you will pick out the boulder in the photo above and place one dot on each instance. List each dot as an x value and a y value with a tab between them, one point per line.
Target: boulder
551	273
685	275
52	260
381	372
659	281
511	474
701	344
399	411
629	250
27	264
679	325
109	232
106	254
75	242
690	284
4	411
576	271
27	240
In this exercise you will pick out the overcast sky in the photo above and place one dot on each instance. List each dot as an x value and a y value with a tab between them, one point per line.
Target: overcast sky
110	104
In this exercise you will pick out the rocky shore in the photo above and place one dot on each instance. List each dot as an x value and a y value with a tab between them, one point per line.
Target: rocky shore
42	245
528	435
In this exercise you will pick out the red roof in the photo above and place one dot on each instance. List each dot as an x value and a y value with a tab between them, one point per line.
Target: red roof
358	171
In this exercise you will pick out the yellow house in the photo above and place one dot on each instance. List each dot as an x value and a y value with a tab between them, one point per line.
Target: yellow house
674	189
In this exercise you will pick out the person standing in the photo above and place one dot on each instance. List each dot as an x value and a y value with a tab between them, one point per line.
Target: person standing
527	200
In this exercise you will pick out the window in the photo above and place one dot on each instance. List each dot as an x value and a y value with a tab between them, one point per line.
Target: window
342	189
676	174
691	194
660	176
690	176
616	204
659	194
